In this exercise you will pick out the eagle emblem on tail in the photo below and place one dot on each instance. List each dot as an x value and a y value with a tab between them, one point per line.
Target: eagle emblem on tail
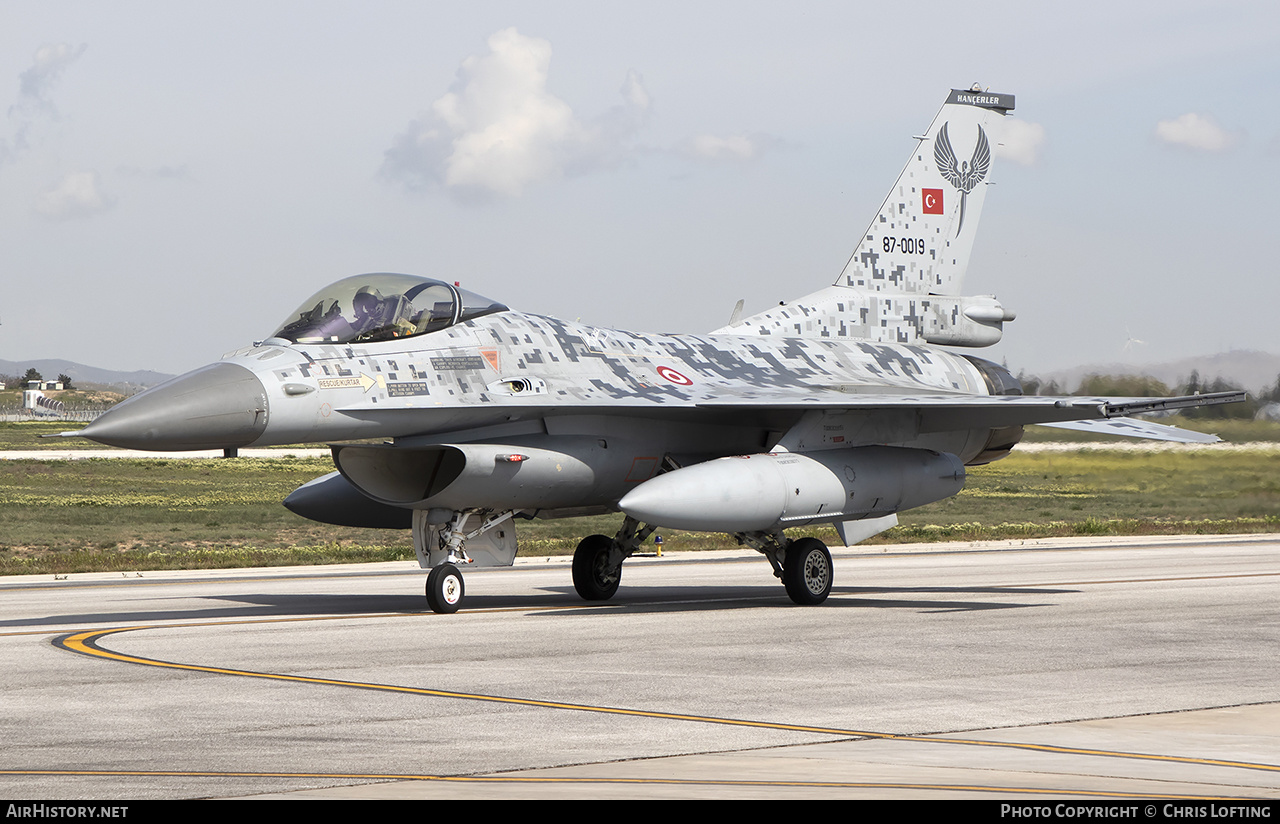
965	176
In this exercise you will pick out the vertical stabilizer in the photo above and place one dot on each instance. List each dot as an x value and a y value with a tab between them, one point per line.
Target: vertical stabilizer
921	239
902	283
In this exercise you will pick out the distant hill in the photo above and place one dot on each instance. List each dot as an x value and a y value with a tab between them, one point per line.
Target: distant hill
1249	369
80	374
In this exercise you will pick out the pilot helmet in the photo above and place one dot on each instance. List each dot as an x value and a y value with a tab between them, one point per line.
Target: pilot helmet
366	301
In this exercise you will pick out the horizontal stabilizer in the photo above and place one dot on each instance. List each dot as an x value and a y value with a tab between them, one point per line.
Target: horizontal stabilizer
1136	429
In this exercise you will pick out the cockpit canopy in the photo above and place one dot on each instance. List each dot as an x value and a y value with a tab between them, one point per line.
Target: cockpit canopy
377	307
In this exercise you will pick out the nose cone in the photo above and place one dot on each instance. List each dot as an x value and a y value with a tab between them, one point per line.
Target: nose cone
215	407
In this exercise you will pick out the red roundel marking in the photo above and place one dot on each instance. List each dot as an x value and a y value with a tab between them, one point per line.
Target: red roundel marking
674	376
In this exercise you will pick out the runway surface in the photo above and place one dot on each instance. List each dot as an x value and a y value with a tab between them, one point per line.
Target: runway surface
1138	667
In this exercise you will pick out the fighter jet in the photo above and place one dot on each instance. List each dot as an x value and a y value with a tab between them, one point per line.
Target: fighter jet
843	407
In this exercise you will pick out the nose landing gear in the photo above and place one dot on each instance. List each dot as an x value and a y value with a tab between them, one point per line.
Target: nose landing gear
445	589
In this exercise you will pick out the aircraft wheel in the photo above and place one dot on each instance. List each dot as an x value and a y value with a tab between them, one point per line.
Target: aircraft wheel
591	576
807	571
445	589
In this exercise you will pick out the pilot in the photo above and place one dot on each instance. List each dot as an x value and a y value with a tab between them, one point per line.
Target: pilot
369	310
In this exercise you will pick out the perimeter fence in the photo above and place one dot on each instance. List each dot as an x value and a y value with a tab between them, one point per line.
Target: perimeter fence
79	415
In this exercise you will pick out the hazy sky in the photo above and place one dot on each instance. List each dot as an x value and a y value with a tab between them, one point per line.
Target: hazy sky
176	177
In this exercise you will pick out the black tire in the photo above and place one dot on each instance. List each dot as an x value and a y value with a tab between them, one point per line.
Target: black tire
445	589
590	563
807	572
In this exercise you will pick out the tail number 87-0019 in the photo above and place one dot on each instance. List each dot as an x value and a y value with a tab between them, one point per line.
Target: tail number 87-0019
909	245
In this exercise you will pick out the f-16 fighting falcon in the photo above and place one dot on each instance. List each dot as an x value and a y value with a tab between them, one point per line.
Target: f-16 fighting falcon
840	407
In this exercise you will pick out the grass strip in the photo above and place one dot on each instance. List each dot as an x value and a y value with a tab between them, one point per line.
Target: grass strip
61	517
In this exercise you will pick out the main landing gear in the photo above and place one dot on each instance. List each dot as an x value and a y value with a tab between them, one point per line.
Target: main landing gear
807	572
597	562
596	570
804	564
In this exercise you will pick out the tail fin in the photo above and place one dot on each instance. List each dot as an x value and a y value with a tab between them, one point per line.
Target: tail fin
901	284
921	240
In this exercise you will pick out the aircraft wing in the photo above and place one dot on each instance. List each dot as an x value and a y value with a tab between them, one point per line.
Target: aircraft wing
1025	408
946	412
936	412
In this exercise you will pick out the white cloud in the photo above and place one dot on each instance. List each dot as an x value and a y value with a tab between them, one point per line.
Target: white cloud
1194	131
634	92
1021	142
50	61
734	147
165	172
498	129
78	194
1272	147
737	148
34	87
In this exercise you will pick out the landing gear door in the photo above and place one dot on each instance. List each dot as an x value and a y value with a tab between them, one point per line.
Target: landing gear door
494	547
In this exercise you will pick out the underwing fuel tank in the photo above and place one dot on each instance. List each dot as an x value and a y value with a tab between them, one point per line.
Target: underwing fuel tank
750	493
